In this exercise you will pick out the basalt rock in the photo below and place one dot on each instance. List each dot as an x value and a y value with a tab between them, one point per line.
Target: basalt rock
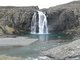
16	19
63	17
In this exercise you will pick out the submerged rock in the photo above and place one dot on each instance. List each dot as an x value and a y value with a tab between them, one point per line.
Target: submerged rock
67	51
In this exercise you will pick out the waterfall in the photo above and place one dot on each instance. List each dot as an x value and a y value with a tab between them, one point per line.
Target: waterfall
42	23
33	24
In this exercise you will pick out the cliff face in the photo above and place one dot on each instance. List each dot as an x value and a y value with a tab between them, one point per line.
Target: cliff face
16	19
63	17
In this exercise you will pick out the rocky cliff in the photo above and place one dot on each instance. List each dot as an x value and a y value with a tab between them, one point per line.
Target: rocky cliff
16	19
63	17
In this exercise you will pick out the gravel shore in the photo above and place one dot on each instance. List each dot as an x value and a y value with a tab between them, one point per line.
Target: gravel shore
69	51
18	41
3	57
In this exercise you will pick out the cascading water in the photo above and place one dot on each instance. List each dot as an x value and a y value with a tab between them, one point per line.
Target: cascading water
42	23
33	24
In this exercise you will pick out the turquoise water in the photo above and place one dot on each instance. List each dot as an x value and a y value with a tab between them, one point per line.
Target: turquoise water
51	36
44	42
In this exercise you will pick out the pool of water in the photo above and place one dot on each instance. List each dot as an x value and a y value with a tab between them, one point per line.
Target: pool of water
44	42
51	36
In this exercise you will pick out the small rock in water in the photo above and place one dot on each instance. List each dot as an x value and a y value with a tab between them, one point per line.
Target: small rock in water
76	58
72	52
31	58
43	58
78	47
36	59
39	58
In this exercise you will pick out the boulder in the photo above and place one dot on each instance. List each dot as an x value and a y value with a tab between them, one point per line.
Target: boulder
9	30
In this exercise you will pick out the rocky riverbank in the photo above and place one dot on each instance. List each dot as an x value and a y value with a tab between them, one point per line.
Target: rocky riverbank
18	41
4	57
69	51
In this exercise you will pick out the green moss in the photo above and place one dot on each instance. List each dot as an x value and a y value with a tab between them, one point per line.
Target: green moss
10	25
